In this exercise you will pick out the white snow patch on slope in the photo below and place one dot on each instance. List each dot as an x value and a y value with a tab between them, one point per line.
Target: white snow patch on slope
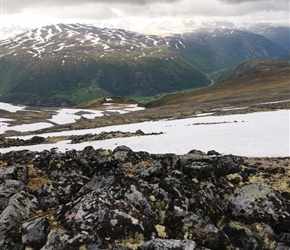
264	134
27	127
10	107
65	116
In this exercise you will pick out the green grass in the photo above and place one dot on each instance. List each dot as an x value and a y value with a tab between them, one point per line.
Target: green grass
82	95
143	99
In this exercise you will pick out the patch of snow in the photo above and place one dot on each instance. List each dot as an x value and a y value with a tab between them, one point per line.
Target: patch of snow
204	114
49	35
275	102
94	115
264	134
27	127
5	120
66	116
58	28
71	33
182	44
232	108
10	107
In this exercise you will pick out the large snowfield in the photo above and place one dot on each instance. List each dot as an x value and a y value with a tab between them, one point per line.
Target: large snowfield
263	134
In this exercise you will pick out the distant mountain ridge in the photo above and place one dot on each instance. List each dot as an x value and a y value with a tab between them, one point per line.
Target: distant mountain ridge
79	62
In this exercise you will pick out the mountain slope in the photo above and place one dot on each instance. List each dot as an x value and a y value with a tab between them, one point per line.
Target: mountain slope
277	34
211	50
75	60
250	81
79	62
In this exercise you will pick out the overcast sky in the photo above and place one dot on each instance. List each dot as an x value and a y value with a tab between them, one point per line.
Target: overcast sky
142	14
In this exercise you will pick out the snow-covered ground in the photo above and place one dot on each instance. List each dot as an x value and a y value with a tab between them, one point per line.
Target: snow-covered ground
4	126
11	108
263	134
62	116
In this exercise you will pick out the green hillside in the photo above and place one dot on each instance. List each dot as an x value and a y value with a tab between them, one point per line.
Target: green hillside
250	80
27	82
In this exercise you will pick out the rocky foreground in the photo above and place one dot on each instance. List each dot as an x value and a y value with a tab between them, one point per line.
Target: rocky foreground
102	199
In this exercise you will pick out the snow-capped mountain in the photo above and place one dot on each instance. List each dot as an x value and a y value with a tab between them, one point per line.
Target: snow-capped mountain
76	60
100	41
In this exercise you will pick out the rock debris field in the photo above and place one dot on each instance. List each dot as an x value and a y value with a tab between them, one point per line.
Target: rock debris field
123	199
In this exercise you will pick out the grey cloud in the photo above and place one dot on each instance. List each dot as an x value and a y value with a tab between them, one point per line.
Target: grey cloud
15	6
150	9
234	2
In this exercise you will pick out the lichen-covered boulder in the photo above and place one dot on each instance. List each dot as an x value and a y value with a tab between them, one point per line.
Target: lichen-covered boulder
115	212
203	233
208	203
259	202
242	237
59	191
228	164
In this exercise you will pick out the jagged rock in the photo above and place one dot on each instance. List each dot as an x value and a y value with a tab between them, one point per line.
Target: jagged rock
265	234
11	187
100	214
242	237
148	170
168	244
57	239
59	191
259	202
19	173
34	232
228	164
17	158
140	202
120	199
19	208
207	203
203	233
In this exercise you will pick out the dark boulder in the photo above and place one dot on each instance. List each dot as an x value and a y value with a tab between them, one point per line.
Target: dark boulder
34	232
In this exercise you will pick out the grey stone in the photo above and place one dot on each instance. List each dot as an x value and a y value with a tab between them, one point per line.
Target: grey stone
14	173
259	202
19	208
10	187
169	244
34	232
203	233
57	240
